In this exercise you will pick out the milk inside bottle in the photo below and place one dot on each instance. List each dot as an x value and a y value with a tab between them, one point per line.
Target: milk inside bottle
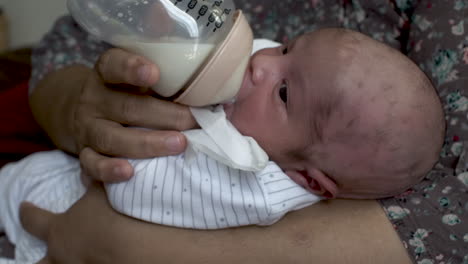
200	46
177	61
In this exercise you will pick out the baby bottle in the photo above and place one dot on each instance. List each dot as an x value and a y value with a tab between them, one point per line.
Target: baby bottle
202	47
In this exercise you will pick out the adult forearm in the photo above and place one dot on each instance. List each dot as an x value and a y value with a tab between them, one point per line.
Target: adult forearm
335	232
339	231
53	101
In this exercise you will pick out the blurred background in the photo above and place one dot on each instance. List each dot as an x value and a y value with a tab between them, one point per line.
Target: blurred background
23	22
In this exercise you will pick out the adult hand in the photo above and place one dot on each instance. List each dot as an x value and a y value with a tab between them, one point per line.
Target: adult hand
65	243
92	115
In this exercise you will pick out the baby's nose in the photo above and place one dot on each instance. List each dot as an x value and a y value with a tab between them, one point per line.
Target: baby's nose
258	74
262	67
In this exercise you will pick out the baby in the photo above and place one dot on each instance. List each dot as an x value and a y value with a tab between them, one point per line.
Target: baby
342	114
337	112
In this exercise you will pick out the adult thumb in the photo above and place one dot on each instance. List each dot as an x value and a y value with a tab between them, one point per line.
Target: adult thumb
35	220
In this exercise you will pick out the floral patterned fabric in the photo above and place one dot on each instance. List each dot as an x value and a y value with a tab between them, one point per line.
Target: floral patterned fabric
432	217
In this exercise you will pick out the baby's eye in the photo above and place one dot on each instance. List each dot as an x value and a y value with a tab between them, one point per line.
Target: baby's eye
283	92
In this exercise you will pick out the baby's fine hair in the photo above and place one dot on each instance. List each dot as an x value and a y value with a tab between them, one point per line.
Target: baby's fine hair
392	111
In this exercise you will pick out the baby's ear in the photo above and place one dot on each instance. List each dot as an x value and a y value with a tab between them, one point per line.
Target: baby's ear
315	181
325	185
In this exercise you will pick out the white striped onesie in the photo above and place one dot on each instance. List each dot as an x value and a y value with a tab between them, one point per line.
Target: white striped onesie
202	194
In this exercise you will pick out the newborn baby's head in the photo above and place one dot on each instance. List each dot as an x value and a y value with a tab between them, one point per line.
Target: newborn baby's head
342	114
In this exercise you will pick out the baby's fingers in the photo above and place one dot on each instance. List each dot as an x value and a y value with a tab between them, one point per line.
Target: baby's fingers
36	220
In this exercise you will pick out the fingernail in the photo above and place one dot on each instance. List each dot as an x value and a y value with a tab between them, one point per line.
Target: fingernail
174	144
144	73
122	173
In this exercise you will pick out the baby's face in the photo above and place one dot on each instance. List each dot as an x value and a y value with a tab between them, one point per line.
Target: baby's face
273	105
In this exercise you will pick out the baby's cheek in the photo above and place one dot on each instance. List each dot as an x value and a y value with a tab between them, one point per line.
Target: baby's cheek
243	93
243	125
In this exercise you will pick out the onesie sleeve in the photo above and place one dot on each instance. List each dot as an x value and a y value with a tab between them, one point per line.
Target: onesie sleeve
199	194
205	194
64	45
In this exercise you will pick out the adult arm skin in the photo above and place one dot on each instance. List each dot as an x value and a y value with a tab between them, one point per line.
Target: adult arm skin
336	231
86	111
